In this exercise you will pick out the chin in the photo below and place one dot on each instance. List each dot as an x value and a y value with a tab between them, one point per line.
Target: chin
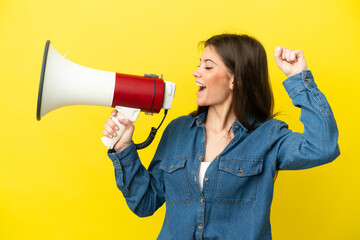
200	104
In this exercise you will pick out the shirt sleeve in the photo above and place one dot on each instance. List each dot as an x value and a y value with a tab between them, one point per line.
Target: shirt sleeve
318	144
143	189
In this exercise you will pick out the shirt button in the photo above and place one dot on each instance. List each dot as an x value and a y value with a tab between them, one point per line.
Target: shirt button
195	178
236	126
232	142
116	161
200	157
171	167
206	179
200	226
240	170
307	79
202	200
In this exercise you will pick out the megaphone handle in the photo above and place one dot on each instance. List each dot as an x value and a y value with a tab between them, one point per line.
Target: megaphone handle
125	113
110	142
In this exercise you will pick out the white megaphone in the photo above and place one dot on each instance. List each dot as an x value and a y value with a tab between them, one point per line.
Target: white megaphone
64	83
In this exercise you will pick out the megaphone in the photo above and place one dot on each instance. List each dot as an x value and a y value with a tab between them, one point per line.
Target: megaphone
64	83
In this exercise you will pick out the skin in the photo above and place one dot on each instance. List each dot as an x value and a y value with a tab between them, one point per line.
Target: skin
213	73
218	95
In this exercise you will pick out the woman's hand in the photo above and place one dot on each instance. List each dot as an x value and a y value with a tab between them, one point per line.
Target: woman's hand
290	61
111	127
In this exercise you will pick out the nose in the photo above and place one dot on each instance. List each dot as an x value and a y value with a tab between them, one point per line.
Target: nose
196	73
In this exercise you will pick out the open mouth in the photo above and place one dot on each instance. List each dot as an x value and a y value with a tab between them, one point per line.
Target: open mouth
201	86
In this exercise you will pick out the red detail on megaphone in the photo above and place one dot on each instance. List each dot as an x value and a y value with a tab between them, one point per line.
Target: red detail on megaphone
145	93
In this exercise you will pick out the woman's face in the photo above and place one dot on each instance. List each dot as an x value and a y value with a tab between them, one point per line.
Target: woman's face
214	81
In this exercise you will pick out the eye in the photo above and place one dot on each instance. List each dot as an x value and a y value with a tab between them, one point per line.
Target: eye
207	68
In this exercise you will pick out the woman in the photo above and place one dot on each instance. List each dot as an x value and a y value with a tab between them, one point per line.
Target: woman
215	168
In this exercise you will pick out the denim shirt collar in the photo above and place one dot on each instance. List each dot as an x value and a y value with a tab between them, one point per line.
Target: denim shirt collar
200	120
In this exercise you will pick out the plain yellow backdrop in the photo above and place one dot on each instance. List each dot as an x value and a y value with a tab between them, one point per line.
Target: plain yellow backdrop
56	181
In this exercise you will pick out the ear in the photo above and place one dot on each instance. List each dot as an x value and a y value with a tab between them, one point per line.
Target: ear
231	81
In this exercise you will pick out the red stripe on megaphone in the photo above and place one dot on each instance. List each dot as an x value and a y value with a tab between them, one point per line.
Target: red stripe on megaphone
145	93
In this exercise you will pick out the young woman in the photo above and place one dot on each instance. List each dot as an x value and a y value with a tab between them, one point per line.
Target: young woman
215	168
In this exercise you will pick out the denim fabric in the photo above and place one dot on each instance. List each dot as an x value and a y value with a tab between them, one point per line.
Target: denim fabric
238	185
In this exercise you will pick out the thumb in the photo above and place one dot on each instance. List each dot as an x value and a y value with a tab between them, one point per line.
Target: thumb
126	122
277	55
278	51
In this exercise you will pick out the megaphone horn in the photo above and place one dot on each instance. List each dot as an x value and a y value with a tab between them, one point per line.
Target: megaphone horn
64	83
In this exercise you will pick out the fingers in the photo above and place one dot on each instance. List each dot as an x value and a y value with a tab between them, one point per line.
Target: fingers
119	129
110	128
286	54
107	134
290	61
292	55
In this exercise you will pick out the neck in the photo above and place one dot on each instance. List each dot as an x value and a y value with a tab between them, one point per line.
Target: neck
220	118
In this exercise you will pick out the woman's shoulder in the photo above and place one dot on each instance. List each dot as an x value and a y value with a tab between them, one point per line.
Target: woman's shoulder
272	128
273	123
182	121
178	128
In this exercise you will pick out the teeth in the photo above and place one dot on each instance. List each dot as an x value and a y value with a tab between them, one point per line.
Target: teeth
200	85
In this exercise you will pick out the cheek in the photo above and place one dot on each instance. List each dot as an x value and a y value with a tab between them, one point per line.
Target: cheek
213	79
221	82
217	80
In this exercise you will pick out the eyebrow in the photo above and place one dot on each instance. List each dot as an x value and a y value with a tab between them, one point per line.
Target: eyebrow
208	60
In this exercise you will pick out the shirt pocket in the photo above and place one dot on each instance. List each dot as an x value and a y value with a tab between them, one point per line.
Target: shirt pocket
175	180
237	180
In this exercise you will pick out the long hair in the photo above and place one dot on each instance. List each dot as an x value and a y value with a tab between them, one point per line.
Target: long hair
245	58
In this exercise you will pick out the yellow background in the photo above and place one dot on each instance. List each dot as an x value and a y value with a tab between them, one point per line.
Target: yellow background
56	181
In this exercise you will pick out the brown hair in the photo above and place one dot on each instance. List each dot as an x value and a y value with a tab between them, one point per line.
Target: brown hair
245	58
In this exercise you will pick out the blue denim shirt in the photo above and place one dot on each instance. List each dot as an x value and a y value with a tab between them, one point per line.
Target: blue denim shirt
238	184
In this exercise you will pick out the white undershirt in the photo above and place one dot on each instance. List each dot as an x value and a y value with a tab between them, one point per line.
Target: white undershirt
202	171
